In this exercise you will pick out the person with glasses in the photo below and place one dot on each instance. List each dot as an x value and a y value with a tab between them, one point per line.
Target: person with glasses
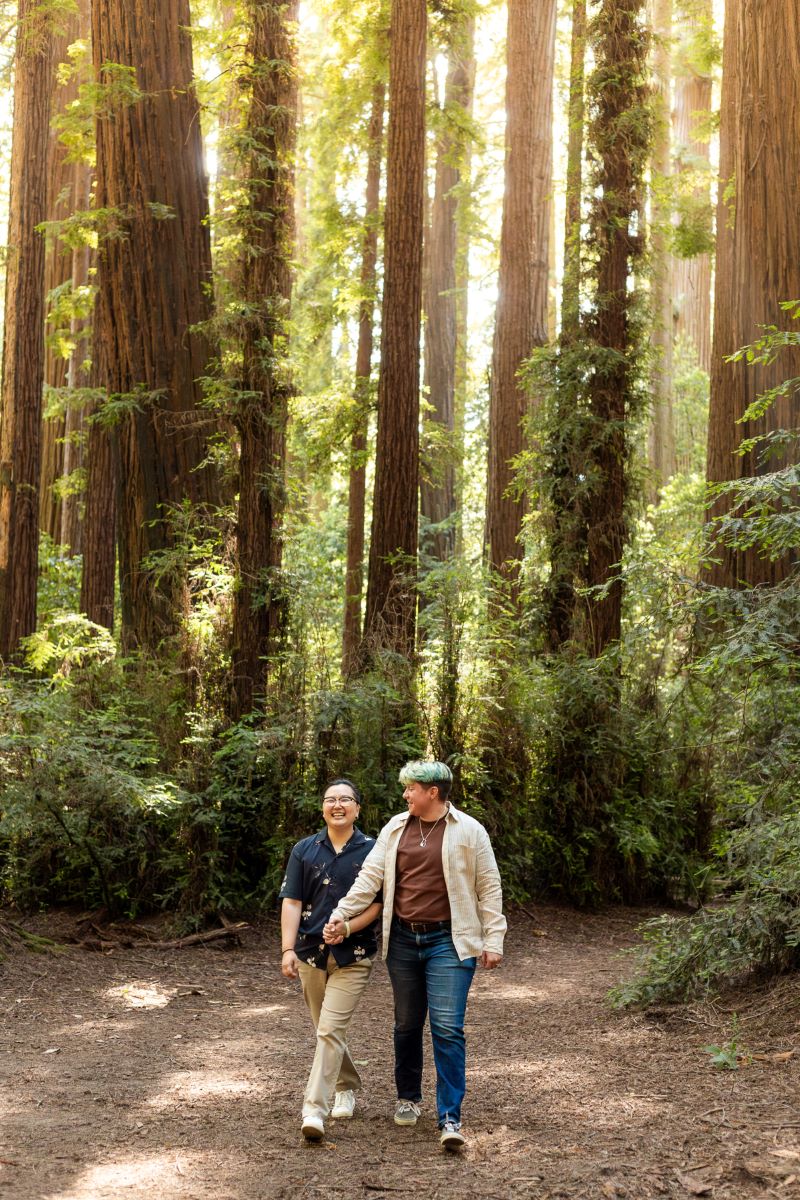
442	913
333	975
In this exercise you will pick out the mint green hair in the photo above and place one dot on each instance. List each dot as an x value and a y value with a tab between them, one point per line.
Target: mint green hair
428	773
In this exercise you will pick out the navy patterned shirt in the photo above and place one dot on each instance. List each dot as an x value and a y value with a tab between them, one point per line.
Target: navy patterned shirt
319	877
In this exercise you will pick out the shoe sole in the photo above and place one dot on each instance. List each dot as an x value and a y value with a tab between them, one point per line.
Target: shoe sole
342	1116
452	1142
403	1122
312	1134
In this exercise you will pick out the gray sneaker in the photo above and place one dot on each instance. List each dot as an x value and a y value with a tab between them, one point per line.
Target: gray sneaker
406	1113
451	1137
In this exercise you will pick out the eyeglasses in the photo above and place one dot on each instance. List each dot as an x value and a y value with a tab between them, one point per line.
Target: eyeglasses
337	800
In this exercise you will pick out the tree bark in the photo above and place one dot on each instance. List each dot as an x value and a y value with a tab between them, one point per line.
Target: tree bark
662	429
437	487
356	503
619	136
74	421
390	621
23	350
262	411
60	176
521	319
567	535
758	248
691	278
571	289
464	217
100	515
154	270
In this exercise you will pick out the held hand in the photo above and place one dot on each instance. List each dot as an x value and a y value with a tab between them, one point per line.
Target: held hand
333	933
490	960
289	965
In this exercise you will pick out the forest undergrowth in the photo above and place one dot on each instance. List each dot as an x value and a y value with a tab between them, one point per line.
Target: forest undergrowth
124	787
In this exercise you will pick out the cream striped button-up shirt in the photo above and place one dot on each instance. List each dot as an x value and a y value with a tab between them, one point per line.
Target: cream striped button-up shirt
470	873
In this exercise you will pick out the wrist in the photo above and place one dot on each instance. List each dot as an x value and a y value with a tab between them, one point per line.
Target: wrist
288	950
347	928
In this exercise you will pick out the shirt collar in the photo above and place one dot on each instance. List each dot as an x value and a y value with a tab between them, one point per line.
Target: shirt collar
356	839
452	811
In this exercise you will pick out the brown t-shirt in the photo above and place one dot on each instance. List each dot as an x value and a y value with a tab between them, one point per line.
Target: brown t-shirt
420	890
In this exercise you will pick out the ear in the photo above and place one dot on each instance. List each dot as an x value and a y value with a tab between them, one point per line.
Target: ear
435	788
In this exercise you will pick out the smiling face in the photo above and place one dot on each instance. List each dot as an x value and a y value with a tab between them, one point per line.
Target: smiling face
340	809
424	801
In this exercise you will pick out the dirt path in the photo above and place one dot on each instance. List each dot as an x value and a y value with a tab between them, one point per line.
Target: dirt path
179	1075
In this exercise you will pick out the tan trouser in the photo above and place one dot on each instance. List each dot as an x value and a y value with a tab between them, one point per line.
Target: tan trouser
332	997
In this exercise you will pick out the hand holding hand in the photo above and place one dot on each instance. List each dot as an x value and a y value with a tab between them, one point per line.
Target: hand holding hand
289	965
489	960
333	933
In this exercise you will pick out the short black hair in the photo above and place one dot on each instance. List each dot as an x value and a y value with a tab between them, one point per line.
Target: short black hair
348	783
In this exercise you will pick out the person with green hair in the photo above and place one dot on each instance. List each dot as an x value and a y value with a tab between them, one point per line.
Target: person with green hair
442	912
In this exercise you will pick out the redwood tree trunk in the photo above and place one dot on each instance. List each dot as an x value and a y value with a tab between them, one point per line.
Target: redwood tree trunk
691	277
100	513
464	221
567	534
521	321
571	289
356	505
153	275
437	488
261	413
23	350
662	429
60	203
390	621
758	246
74	422
619	140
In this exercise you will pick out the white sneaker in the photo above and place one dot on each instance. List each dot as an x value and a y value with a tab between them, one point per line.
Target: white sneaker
452	1138
344	1105
406	1113
313	1129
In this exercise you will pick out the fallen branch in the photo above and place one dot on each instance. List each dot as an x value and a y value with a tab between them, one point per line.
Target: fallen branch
196	939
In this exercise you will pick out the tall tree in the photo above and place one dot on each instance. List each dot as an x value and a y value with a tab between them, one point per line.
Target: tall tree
390	620
356	500
567	535
262	410
465	221
570	293
77	377
662	429
60	175
758	247
521	320
154	272
619	134
438	485
23	349
694	65
100	508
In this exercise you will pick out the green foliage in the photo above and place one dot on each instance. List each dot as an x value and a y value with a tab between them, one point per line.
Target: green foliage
693	232
86	813
59	581
744	668
726	1057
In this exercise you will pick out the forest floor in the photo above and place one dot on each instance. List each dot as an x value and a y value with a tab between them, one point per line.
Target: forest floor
179	1074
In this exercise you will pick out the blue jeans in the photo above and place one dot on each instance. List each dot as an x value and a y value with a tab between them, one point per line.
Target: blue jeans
428	976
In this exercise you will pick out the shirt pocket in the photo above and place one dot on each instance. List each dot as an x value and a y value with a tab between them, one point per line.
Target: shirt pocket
463	864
